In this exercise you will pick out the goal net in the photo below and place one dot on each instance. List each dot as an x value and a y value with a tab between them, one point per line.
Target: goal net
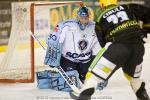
24	56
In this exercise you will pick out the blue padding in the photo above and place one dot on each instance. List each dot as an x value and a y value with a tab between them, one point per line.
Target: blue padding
52	80
102	85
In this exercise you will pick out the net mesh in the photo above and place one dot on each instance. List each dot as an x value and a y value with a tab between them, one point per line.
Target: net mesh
16	62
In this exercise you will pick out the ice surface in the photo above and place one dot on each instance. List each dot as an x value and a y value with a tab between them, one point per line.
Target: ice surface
117	89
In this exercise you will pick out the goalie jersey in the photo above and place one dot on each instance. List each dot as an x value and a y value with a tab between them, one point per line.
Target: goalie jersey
78	45
75	44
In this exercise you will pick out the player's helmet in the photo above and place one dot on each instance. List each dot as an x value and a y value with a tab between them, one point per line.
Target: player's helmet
105	3
83	11
83	17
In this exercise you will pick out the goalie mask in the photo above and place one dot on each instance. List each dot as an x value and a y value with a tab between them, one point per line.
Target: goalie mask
83	17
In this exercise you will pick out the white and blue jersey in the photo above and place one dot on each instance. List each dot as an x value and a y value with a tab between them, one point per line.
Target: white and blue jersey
78	45
71	47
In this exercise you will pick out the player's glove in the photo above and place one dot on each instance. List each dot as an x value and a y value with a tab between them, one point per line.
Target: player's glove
102	85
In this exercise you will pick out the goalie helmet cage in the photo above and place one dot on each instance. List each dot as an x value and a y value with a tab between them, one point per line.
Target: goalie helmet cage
10	75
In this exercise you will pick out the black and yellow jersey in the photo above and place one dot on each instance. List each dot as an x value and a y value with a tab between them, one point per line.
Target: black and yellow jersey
119	23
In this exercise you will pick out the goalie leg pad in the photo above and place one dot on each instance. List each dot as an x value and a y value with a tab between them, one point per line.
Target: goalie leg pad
53	80
43	81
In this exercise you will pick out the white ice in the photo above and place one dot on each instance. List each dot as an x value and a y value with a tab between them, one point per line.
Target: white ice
117	89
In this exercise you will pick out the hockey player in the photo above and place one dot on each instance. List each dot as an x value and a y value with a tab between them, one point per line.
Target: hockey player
73	45
118	31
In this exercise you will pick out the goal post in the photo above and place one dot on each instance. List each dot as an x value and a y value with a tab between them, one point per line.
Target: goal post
24	56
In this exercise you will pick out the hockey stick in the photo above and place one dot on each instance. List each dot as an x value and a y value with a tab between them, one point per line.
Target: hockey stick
67	79
59	68
35	38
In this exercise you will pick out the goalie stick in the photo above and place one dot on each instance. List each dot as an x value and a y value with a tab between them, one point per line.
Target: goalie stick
60	70
35	38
